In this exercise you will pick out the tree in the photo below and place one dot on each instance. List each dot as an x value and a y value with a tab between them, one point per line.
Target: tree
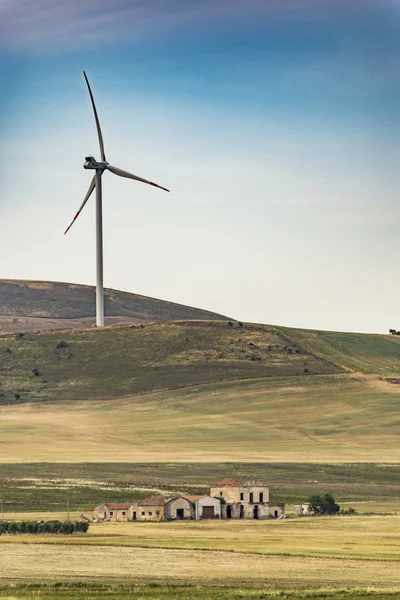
323	504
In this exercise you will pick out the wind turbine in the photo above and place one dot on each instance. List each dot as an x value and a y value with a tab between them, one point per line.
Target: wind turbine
100	167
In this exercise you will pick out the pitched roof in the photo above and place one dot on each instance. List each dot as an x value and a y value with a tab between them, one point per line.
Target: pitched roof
117	505
226	483
156	500
194	498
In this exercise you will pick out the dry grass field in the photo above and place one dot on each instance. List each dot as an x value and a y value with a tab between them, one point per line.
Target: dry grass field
298	554
333	418
365	538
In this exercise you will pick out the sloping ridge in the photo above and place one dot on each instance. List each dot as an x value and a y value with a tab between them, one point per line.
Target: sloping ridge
57	300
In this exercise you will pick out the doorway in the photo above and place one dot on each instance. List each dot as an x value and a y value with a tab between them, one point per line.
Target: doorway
255	512
208	512
229	512
241	513
180	513
134	516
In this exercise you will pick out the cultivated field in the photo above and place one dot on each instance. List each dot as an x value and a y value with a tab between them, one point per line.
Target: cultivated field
298	554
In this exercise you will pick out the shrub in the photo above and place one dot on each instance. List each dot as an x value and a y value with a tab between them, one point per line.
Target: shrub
323	504
35	527
348	511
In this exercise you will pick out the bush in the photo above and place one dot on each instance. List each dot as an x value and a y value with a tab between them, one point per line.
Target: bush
348	511
32	527
323	504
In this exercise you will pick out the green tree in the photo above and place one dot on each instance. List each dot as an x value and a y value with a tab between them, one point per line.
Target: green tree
323	504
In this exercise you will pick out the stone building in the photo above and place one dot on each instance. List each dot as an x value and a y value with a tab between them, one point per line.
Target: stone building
302	509
245	500
161	508
205	507
112	511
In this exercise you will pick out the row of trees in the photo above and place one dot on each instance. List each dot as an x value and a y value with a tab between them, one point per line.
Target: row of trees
64	527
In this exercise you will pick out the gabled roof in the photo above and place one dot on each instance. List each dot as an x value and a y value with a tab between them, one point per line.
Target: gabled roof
156	500
194	498
226	483
117	505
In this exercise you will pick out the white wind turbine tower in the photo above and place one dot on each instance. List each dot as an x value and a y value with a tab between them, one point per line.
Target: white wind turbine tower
100	167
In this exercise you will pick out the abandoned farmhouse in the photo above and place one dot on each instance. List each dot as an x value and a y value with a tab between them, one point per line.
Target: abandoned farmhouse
228	499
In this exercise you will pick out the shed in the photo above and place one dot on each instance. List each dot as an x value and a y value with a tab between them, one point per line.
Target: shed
112	511
162	508
205	507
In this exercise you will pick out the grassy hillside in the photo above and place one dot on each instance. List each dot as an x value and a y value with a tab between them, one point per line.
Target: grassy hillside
199	391
370	354
22	300
121	361
332	418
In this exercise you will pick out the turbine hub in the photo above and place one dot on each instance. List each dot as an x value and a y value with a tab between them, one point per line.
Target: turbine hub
91	163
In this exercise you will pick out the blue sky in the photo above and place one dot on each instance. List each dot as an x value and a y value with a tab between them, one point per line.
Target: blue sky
274	123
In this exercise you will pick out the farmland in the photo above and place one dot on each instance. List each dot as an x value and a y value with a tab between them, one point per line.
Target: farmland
129	411
298	554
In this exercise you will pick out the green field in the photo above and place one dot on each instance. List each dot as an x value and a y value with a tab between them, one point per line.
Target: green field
374	354
47	487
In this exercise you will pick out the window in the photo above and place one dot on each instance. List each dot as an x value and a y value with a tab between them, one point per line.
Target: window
261	497
241	496
251	497
150	513
111	513
123	513
220	493
157	513
143	514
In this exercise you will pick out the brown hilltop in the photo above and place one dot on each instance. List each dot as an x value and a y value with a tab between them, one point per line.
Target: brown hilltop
32	305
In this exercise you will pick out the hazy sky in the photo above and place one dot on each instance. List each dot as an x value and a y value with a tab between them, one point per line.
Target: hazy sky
275	123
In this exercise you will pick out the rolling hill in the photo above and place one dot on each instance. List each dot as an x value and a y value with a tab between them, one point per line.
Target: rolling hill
199	391
38	305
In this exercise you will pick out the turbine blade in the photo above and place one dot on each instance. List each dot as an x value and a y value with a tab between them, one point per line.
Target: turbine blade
128	175
103	156
90	190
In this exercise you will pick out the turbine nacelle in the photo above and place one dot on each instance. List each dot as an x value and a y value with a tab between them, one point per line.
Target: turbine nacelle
91	163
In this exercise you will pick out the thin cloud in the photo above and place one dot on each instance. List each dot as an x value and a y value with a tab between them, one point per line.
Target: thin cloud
51	25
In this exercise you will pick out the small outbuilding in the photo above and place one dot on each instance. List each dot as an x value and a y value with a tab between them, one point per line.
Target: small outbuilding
205	507
302	509
112	511
161	508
